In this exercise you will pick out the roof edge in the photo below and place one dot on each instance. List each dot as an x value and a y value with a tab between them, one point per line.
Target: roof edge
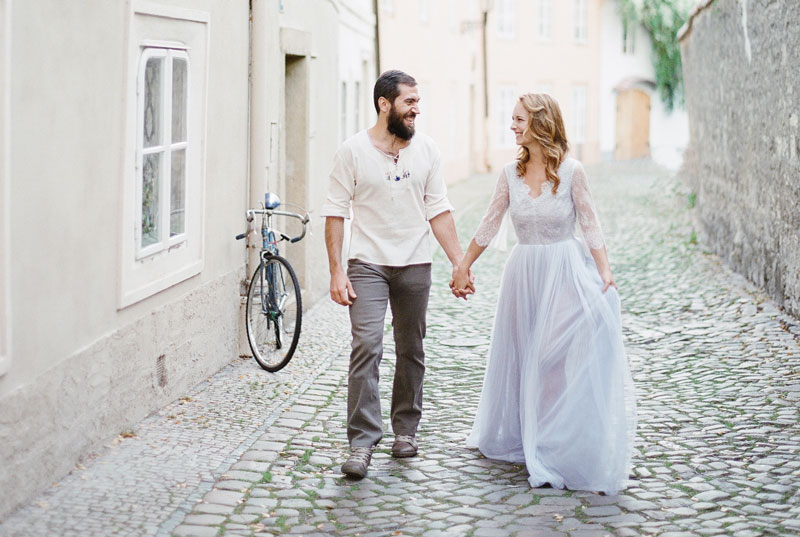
687	27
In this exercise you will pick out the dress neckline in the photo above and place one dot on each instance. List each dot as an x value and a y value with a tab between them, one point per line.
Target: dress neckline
528	188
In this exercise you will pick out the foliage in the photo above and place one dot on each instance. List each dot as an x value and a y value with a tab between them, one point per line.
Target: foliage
662	19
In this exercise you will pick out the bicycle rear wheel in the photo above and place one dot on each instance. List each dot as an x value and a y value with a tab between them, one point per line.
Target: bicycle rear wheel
274	313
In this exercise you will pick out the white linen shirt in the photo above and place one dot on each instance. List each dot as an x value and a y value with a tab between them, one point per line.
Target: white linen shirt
391	203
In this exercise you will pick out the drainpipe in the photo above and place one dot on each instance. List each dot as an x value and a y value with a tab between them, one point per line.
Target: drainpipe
484	27
377	41
258	112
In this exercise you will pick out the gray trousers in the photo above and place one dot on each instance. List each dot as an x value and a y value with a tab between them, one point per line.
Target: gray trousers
406	290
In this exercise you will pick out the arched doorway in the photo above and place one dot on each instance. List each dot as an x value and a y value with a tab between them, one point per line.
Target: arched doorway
632	125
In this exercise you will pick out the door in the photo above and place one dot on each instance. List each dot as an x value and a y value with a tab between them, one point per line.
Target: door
633	125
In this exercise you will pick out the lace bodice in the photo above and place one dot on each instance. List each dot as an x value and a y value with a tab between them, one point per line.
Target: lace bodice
547	218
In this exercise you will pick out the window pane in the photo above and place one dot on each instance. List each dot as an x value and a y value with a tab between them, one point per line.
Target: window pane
152	101
177	214
151	172
179	91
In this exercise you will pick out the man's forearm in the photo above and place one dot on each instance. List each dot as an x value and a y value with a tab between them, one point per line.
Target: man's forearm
444	229
334	236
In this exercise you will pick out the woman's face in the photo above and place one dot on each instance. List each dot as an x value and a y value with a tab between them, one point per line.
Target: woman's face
519	122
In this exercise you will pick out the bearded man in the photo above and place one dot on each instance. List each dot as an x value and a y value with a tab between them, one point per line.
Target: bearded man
392	180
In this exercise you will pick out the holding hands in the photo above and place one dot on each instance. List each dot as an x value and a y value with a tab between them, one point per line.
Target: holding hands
462	283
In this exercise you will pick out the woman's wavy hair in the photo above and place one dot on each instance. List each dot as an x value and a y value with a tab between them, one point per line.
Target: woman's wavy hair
546	127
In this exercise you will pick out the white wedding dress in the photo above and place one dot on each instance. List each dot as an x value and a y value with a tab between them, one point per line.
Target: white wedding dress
558	393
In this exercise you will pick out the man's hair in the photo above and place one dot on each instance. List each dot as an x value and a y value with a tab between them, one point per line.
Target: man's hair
387	86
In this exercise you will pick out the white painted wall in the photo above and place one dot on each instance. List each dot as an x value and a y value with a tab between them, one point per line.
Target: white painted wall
669	132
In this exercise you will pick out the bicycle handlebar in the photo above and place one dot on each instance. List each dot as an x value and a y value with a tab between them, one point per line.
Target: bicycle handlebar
304	219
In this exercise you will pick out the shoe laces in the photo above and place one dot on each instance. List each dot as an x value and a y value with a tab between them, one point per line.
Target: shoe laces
406	438
361	454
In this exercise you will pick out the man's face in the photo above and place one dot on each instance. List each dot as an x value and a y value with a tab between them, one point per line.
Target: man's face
403	112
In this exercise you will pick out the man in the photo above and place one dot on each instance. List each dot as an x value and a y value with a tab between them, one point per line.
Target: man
393	182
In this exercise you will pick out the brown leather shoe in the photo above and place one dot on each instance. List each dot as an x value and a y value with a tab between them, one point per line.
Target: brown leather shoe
404	446
356	466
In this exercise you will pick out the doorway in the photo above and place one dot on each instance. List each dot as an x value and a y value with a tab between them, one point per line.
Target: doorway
632	125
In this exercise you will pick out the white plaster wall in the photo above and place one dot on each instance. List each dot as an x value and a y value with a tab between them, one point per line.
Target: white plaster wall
84	370
669	131
321	18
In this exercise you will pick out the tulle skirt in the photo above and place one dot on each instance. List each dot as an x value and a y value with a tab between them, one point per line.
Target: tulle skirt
558	393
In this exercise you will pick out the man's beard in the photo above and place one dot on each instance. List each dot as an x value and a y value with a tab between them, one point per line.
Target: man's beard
397	126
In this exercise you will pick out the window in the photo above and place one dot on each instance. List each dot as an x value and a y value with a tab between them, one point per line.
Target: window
164	178
163	147
578	114
628	36
581	20
505	18
544	25
453	16
343	118
453	121
424	10
422	119
5	131
507	99
359	104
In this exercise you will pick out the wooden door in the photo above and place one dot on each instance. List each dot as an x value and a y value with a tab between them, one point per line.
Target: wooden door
633	125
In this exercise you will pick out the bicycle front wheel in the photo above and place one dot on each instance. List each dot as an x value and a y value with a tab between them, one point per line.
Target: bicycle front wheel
274	313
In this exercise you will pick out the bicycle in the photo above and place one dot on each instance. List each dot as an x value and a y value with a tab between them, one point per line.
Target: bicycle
274	311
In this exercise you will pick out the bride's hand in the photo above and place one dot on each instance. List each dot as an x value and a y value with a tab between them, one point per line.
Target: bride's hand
608	280
462	283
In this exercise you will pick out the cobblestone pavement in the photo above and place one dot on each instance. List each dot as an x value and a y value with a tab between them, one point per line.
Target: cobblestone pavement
248	453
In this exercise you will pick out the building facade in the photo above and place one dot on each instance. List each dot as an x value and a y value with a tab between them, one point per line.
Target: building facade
439	44
473	58
133	137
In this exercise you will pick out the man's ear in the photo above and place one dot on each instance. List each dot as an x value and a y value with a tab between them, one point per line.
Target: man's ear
383	104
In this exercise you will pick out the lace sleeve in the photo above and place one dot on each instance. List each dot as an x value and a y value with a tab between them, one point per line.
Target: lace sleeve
494	214
585	210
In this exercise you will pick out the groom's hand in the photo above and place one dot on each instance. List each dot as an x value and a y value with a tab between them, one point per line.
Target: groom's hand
341	289
461	284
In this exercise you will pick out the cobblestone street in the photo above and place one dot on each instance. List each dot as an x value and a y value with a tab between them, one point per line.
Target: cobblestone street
249	453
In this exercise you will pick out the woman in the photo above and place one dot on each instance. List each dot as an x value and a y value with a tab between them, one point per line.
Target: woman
558	394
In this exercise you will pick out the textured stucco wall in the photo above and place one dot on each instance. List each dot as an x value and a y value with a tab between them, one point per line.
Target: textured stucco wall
81	368
105	388
743	98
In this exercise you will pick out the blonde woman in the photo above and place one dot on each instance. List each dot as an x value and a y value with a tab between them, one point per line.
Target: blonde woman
558	393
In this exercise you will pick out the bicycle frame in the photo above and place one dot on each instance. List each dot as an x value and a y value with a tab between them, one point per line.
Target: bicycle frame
274	309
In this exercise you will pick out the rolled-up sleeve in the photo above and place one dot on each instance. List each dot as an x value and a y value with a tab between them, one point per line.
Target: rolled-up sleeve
435	200
341	185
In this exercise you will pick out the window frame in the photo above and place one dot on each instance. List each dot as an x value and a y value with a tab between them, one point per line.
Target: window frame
505	27
424	11
544	37
168	51
152	24
628	37
507	95
580	113
580	23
